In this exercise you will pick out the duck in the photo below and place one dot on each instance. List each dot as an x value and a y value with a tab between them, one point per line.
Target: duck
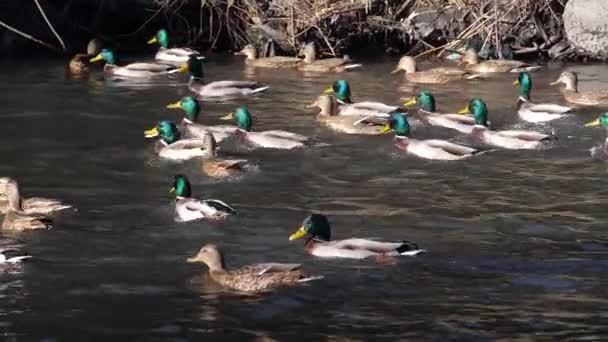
217	89
599	152
317	231
190	129
508	139
79	64
311	63
349	124
427	114
473	64
166	54
216	167
133	70
16	219
341	88
430	76
189	209
250	278
252	59
597	97
170	146
276	139
427	149
33	205
535	112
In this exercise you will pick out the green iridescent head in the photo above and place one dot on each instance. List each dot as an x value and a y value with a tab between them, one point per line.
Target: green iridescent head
242	117
107	55
479	110
398	123
426	101
342	90
181	186
195	65
602	120
166	130
189	105
525	85
161	37
316	226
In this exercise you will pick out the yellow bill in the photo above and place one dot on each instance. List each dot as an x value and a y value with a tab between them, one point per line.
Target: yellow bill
176	105
228	116
151	133
300	233
172	189
464	110
410	102
329	90
593	123
153	40
516	82
183	68
386	128
96	58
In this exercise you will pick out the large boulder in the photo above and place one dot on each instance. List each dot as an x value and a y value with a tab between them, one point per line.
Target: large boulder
586	24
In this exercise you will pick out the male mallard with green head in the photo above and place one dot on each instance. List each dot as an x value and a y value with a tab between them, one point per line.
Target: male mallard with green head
535	112
317	231
599	152
191	129
250	278
341	89
133	70
170	146
349	124
428	115
166	54
189	209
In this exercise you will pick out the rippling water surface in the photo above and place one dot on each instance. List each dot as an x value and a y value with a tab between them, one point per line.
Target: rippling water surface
517	239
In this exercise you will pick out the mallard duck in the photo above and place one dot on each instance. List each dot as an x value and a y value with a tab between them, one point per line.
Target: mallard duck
535	112
597	97
427	149
342	90
251	278
430	76
511	139
79	63
190	129
349	124
170	146
599	152
218	167
267	139
191	209
133	70
311	63
252	59
471	59
16	219
317	230
33	205
165	54
216	89
427	114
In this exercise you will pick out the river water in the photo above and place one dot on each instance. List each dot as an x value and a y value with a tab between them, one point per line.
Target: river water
517	243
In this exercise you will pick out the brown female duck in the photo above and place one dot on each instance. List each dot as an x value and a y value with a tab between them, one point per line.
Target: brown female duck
430	76
253	59
311	63
595	97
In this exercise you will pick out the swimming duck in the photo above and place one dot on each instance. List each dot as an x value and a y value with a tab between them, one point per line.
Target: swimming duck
317	230
471	59
79	63
165	54
598	97
216	89
430	76
535	112
253	59
190	209
134	70
250	278
427	149
599	152
170	146
218	167
349	124
311	63
428	115
33	205
16	219
511	139
267	139
342	90
190	129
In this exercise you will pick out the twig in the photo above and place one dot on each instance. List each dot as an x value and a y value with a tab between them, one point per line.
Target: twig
25	35
496	33
50	25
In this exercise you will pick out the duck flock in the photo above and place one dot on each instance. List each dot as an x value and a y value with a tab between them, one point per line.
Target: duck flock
190	139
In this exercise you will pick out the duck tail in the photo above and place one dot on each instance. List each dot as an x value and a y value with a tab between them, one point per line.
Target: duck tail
408	248
307	279
259	89
352	66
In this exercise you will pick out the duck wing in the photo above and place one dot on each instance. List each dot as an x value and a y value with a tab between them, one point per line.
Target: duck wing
286	135
219	206
152	67
547	108
450	147
270	141
39	205
363	248
523	135
265	268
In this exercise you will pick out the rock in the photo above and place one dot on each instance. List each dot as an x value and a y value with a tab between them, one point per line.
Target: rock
587	27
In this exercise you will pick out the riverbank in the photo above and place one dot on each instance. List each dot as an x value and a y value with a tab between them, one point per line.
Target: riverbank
498	28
